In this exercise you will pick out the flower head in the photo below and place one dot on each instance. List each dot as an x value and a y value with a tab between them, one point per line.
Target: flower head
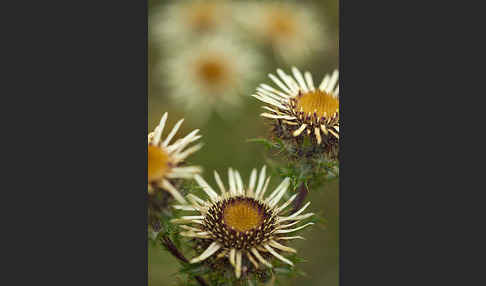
186	21
304	109
211	76
165	159
291	30
242	224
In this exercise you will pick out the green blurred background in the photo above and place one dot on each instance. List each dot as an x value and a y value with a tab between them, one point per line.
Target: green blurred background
225	145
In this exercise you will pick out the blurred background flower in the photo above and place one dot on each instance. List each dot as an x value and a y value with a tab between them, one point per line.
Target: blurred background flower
175	39
291	29
212	75
186	21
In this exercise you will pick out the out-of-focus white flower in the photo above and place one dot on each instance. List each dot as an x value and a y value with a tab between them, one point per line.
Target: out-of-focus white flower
291	30
212	75
188	21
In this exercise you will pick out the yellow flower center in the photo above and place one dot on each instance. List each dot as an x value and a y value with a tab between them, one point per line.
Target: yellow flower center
242	215
212	71
202	16
158	163
318	101
281	24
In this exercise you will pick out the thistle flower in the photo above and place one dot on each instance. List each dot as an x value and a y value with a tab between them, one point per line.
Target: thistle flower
240	223
291	30
165	159
187	21
301	107
211	76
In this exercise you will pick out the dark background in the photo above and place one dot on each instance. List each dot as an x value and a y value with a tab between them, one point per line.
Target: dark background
410	193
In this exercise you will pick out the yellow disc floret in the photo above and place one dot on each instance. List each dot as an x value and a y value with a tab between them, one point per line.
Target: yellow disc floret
212	71
158	163
280	24
203	16
320	102
242	215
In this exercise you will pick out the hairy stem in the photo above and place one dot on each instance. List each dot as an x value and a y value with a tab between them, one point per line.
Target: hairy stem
169	245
